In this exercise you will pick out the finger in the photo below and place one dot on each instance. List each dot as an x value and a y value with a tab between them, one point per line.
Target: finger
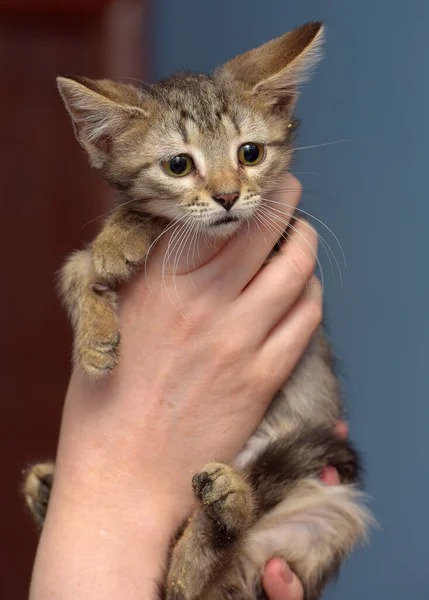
280	583
278	286
286	343
242	257
341	429
330	476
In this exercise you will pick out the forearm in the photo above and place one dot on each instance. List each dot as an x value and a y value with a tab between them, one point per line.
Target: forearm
86	555
109	525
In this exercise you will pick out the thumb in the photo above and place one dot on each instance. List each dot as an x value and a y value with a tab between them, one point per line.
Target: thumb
280	583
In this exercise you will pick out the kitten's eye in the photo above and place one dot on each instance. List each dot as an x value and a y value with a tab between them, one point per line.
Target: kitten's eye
251	153
179	165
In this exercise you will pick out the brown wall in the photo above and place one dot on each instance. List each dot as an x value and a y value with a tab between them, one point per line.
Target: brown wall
48	195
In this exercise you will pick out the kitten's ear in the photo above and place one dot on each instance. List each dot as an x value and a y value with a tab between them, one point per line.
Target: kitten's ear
274	71
100	109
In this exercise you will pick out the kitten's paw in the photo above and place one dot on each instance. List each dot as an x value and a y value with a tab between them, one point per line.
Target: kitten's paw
98	355
116	258
37	488
97	336
225	496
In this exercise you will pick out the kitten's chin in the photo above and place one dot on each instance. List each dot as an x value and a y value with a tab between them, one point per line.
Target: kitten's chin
223	227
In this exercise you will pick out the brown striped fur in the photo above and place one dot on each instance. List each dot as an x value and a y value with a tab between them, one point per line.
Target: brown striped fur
270	502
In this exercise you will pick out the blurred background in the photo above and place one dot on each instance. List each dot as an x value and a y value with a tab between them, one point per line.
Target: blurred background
370	190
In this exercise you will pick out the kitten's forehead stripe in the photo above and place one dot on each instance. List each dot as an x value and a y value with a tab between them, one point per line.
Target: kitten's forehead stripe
205	100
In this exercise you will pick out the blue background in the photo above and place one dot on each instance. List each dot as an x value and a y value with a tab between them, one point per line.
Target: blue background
373	87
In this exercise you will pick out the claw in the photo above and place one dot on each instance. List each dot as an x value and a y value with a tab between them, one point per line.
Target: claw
100	288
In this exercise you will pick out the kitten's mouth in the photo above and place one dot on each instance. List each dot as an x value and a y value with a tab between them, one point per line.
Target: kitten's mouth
224	220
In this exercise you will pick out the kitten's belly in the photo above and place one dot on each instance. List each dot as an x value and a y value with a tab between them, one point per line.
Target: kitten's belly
309	398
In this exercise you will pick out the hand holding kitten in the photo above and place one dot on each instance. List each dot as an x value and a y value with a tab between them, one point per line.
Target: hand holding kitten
129	444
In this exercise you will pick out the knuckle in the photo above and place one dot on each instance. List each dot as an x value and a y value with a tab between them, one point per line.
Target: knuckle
313	311
302	262
302	251
295	184
232	347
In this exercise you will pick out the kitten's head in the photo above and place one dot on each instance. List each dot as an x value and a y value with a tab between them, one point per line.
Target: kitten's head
193	147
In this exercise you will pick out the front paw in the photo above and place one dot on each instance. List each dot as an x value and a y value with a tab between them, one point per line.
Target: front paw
97	339
37	488
116	258
225	496
98	355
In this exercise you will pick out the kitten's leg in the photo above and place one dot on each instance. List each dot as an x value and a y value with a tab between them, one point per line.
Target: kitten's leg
37	488
121	246
88	284
213	533
312	525
91	306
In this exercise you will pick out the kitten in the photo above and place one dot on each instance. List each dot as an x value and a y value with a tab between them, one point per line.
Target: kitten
208	149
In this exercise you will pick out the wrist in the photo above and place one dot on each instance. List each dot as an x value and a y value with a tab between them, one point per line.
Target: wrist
109	449
96	546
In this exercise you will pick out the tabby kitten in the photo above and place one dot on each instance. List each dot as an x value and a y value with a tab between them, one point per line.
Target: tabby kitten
208	148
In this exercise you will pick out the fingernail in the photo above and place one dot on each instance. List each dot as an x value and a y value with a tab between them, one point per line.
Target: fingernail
287	574
329	476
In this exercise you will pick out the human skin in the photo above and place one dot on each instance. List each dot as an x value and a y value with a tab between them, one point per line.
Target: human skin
202	354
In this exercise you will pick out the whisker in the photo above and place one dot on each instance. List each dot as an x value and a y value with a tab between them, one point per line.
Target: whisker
167	228
304	189
149	85
192	246
257	217
326	246
268	215
285	235
109	212
115	208
306	213
325	144
179	252
175	238
307	173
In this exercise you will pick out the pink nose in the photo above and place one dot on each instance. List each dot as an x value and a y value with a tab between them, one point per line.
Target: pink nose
227	200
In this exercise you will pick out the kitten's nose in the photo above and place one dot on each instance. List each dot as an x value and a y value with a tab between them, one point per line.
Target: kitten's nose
227	200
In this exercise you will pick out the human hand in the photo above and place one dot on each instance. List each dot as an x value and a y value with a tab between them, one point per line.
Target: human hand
194	378
202	354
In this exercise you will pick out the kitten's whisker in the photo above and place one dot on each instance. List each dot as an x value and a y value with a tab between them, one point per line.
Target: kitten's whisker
192	246
150	85
201	229
256	217
109	212
324	243
167	228
304	189
175	238
179	251
306	213
323	145
115	208
307	173
273	218
285	235
267	211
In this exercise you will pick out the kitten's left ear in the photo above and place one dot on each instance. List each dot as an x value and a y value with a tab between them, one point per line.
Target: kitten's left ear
274	71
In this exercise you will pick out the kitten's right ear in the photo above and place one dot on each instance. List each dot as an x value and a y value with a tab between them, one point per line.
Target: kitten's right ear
100	109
